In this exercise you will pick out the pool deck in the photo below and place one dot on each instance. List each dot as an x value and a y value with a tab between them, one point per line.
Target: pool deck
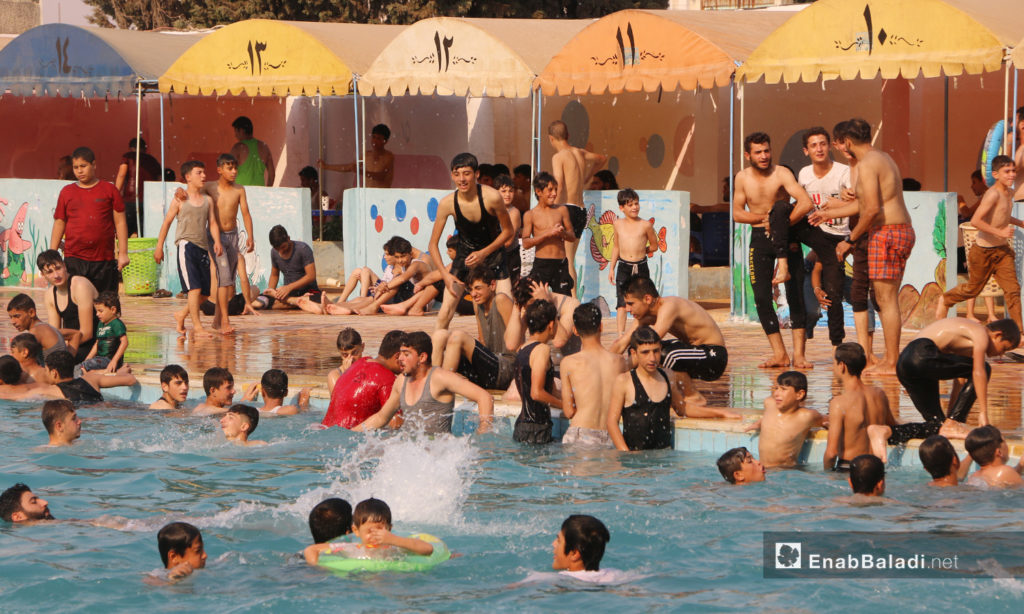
303	345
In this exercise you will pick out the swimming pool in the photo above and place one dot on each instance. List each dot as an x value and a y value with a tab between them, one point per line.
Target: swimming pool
687	540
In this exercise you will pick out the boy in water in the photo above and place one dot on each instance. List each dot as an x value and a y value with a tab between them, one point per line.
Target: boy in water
852	413
785	424
197	222
174	384
86	389
29	354
350	346
62	422
579	547
991	255
331	518
111	336
181	549
239	422
548	227
987	447
535	376
941	461
631	237
587	380
738	466
219	385
867	476
274	387
371	523
22	311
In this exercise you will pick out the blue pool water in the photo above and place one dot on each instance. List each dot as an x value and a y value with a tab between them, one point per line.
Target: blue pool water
687	541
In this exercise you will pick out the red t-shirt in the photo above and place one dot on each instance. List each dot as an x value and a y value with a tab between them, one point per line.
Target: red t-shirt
89	214
359	393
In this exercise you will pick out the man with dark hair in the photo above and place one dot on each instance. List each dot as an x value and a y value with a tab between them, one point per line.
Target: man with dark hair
149	169
852	413
174	385
61	422
22	311
580	544
483	226
76	320
547	228
988	448
364	387
292	260
738	466
330	519
273	387
941	461
19	504
255	162
587	380
380	163
867	476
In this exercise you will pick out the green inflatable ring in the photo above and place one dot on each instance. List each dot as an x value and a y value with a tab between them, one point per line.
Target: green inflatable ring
410	563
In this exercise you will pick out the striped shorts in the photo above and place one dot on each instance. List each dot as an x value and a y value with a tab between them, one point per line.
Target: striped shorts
706	362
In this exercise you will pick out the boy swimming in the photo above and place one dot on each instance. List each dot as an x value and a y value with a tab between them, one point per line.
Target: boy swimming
738	466
239	422
174	384
331	518
181	549
371	523
579	548
987	447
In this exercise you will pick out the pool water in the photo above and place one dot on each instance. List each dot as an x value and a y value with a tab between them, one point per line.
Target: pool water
685	540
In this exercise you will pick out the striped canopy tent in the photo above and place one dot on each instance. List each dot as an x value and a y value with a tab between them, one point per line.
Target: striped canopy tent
648	51
62	60
262	57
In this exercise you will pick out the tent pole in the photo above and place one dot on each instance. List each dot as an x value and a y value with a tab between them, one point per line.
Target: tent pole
355	125
163	161
732	175
1013	107
945	134
533	129
320	156
138	157
362	132
1006	104
742	134
540	122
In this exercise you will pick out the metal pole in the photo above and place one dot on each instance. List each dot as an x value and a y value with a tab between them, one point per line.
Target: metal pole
1006	104
945	134
732	174
138	157
163	161
355	124
743	99
362	137
1013	139
320	156
533	129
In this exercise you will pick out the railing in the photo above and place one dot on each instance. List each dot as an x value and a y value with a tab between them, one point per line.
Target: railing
713	5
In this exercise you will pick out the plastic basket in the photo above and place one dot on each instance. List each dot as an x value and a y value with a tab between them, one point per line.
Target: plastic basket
142	274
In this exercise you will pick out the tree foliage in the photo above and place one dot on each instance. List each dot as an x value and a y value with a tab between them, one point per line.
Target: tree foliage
151	14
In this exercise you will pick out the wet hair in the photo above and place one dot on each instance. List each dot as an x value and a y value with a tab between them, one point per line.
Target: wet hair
608	179
329	519
420	342
242	123
866	471
816	131
758	138
639	287
249	412
500	169
371	510
215	377
982	443
465	160
522	291
10	501
451	242
391	344
586	535
559	130
644	335
308	172
170	372
540	314
349	339
479	273
936	455
176	537
187	167
226	158
852	355
21	302
587	320
109	299
48	258
522	170
487	170
1006	327
28	342
397	245
133	143
503	181
278	236
10	370
839	131
730	462
382	130
999	162
274	383
627	196
543	180
858	131
792	379
911	185
62	362
83	153
54	412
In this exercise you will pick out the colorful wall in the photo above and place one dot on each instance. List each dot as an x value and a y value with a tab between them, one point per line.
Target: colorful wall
26	221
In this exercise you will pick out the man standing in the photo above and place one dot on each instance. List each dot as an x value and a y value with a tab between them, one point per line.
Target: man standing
885	224
380	163
255	163
149	170
572	167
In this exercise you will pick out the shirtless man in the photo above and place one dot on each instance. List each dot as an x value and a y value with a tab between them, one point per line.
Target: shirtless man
757	188
1018	156
852	413
587	379
484	228
549	229
255	162
885	224
380	163
698	351
786	422
572	168
77	319
987	447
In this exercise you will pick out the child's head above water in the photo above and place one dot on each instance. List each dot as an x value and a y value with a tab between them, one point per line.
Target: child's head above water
240	421
790	390
738	466
274	384
370	515
984	444
580	544
22	311
867	475
938	457
329	519
218	382
174	382
180	542
29	346
10	370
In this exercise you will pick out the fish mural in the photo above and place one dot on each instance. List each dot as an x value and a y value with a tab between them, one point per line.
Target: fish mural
602	231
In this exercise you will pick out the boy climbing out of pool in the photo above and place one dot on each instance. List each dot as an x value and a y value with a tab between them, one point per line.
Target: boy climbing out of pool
61	422
987	447
852	413
535	377
579	546
547	228
992	254
786	423
197	223
238	424
867	476
632	239
107	354
174	388
274	388
587	380
330	519
738	466
371	523
219	386
350	347
181	549
941	461
22	311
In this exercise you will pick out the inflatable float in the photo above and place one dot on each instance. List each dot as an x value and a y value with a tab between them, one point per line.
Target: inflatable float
409	563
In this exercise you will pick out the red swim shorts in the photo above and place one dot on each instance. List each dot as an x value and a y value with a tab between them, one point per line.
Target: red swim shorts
888	249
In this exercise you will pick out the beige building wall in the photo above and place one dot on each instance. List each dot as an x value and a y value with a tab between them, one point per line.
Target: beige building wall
16	16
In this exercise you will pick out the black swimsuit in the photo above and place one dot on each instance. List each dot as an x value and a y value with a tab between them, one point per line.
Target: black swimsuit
80	391
646	425
534	422
475	236
69	319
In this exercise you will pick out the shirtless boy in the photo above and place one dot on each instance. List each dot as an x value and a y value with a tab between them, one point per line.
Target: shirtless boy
987	447
238	423
941	461
61	422
27	350
380	163
885	224
526	291
484	227
738	466
587	380
572	168
219	385
991	255
549	229
274	388
853	412
756	189
698	351
631	241
76	320
174	387
507	188
410	267
22	311
785	424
